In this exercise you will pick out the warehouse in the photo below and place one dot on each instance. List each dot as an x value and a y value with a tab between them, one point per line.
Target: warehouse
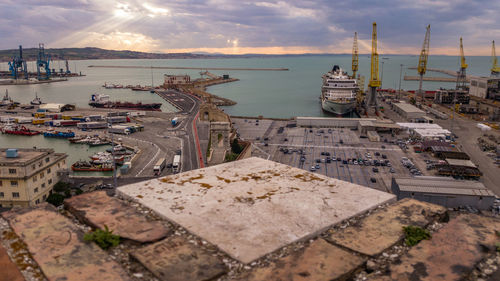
409	112
444	191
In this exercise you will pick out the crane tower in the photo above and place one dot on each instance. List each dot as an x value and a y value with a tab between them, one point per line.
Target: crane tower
355	57
422	60
461	77
374	78
495	69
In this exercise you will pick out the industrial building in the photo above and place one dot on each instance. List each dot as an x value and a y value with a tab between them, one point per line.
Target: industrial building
409	112
444	191
27	176
426	131
171	80
447	97
485	87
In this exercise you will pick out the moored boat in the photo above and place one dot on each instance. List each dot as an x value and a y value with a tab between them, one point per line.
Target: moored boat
19	130
338	93
56	134
86	166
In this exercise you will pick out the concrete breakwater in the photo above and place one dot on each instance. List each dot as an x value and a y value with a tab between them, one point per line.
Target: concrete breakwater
195	68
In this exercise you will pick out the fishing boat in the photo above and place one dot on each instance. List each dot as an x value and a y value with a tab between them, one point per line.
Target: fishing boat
6	100
86	166
62	135
19	130
37	100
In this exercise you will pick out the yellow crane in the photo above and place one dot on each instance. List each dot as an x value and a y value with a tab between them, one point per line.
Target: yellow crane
355	58
495	69
461	77
422	60
374	79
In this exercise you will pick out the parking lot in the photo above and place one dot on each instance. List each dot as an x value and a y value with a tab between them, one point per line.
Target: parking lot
335	152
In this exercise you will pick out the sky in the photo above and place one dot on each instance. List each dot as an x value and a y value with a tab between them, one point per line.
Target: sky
241	27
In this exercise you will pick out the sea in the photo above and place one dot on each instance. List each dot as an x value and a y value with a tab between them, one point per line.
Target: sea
276	94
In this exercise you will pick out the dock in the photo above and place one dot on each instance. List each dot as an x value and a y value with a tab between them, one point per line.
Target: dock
195	68
30	82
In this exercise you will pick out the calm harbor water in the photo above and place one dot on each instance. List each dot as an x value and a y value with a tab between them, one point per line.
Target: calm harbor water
279	94
268	93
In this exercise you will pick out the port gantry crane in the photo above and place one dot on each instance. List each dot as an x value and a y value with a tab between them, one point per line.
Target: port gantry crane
43	60
374	79
495	69
355	56
18	65
461	77
422	60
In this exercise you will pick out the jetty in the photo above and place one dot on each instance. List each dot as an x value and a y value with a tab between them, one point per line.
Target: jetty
195	68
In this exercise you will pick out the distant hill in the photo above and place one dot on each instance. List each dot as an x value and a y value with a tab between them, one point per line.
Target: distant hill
90	53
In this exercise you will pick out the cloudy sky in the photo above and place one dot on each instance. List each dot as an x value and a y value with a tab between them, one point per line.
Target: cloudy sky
240	26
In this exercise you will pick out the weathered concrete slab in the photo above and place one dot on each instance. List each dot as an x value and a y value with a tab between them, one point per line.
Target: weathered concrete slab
319	261
174	259
251	207
452	252
57	246
97	209
8	269
383	228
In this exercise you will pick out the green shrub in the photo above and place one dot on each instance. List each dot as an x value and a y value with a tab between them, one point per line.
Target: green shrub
415	234
55	199
78	191
236	147
103	238
61	186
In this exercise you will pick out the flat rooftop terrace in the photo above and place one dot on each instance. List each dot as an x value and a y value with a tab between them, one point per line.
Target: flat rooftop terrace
23	156
251	207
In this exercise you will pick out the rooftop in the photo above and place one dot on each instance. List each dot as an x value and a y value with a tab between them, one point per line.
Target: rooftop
460	162
406	107
252	207
442	185
25	155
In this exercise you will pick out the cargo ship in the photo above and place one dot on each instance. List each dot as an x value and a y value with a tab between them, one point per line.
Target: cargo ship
102	101
85	166
62	135
19	130
338	93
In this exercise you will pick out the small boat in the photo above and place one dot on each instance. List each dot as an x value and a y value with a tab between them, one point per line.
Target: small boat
86	166
6	100
62	135
37	100
19	130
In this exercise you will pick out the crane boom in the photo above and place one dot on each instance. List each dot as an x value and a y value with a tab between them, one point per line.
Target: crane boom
495	69
422	60
462	77
462	57
355	58
374	79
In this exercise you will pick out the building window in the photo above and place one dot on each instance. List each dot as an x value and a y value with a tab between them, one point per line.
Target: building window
40	164
48	171
36	189
47	160
13	183
33	166
37	201
12	171
34	179
41	175
43	185
50	181
15	194
44	197
64	162
58	165
1	195
1	182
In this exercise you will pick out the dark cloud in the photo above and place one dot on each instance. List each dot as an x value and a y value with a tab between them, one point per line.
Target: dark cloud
218	23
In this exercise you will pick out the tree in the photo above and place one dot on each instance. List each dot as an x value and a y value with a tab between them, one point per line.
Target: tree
236	147
55	199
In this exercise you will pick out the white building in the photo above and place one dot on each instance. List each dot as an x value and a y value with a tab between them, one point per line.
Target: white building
171	80
408	111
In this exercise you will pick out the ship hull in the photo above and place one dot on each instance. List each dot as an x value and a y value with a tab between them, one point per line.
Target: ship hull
339	108
147	107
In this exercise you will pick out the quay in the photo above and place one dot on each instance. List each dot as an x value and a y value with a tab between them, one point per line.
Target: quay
195	68
30	82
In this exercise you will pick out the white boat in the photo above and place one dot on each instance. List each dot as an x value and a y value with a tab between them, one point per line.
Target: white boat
37	100
338	93
6	100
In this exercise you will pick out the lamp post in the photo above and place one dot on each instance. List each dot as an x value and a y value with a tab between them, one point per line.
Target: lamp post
400	73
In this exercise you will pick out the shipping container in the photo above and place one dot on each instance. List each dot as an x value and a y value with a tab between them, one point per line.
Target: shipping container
92	125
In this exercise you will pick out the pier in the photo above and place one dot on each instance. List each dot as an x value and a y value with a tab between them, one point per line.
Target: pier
195	68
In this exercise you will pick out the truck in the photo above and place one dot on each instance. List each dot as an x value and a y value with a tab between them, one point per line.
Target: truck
175	121
176	164
119	130
160	165
92	125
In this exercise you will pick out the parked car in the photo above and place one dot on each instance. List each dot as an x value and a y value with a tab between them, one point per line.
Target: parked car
375	170
374	180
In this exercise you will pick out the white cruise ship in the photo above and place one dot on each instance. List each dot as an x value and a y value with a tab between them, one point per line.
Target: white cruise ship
338	93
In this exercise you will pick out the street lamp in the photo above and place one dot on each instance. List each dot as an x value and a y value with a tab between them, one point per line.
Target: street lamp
400	73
